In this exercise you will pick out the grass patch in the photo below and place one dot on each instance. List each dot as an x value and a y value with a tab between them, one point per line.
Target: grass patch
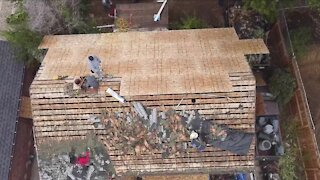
301	38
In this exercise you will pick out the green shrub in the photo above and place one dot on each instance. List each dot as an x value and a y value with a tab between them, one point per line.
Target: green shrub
282	86
267	8
26	43
314	4
84	8
300	39
288	162
17	18
191	22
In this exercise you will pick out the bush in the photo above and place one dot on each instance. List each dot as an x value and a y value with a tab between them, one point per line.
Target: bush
300	39
287	162
26	43
191	22
282	86
17	18
267	8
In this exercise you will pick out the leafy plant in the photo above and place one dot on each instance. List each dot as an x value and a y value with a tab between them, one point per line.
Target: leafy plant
84	7
18	17
259	33
267	8
288	166
301	38
282	86
314	4
191	22
26	43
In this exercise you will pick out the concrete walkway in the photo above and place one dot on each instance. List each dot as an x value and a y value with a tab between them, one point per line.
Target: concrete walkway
6	8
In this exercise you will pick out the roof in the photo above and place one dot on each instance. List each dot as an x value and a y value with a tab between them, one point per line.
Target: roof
140	15
200	60
208	64
11	78
178	177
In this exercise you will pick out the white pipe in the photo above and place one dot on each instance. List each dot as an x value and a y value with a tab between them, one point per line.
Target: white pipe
115	95
156	17
105	26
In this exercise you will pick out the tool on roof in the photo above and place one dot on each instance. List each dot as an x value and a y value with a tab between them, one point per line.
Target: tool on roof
115	95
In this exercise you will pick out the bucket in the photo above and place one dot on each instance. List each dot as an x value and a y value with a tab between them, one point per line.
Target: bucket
264	145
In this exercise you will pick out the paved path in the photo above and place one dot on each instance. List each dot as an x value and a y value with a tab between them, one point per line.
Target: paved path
6	8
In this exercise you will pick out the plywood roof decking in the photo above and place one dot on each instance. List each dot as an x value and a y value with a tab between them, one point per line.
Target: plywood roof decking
200	60
59	116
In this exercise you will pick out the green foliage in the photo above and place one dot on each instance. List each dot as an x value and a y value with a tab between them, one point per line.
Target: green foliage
258	33
26	43
282	86
267	8
83	27
18	17
314	4
288	162
78	25
300	39
191	22
84	7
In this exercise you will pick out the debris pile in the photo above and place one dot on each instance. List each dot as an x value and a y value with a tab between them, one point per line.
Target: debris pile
88	164
248	24
166	131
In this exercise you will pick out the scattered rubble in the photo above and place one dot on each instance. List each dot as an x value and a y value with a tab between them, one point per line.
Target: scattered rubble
64	165
248	24
166	131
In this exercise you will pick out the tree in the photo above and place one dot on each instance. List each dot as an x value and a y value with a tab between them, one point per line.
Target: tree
282	86
26	44
268	8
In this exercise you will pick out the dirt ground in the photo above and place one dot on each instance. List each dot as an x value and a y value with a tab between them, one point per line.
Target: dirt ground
310	71
207	10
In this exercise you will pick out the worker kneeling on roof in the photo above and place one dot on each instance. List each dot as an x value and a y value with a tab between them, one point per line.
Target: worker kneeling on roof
87	82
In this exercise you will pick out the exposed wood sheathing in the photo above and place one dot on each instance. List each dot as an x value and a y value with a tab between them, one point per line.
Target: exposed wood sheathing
199	60
25	108
59	116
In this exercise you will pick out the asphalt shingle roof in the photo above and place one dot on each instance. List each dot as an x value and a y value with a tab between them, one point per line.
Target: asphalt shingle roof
11	75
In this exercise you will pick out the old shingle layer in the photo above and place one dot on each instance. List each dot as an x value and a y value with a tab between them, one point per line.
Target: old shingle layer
11	75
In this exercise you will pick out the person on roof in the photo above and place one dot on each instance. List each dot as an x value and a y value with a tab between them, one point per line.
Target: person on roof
94	64
87	82
83	159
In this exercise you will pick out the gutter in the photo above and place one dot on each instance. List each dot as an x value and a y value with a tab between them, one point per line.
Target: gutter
17	120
